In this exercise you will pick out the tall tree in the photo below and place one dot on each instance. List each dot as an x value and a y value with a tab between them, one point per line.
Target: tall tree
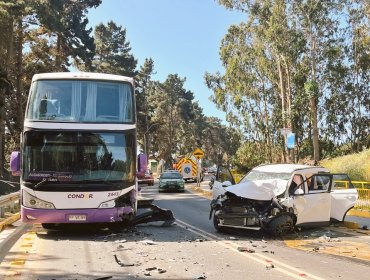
66	22
112	54
143	108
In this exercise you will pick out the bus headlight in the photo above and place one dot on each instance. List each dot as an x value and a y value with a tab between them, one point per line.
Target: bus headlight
31	201
108	204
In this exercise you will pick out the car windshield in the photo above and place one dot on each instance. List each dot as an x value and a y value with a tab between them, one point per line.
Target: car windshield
171	175
79	156
263	175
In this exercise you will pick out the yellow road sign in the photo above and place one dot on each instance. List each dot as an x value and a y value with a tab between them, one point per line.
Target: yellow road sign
198	153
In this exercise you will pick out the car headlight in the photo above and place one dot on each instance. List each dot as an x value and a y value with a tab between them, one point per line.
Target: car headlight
108	204
34	202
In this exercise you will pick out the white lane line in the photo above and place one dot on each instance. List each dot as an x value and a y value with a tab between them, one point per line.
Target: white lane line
262	259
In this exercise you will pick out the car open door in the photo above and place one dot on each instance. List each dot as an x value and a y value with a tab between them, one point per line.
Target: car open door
343	196
223	179
313	205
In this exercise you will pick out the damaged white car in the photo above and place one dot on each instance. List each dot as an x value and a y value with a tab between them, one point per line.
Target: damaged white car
278	197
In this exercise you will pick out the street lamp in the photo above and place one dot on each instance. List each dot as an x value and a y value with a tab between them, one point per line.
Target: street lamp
145	144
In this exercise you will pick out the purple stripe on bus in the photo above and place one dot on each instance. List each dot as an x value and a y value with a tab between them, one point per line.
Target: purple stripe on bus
101	215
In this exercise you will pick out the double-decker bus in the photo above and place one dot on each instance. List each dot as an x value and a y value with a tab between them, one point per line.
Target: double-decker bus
78	150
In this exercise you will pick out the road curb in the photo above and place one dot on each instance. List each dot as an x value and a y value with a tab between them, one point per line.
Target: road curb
9	221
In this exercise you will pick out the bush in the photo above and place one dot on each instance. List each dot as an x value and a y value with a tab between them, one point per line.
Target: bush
357	166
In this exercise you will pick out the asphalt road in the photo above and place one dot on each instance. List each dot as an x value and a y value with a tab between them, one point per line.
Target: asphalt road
190	249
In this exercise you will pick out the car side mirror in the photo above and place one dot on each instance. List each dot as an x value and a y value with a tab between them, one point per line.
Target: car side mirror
299	192
15	163
226	184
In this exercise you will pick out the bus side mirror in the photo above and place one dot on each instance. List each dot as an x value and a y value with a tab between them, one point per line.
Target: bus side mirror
15	163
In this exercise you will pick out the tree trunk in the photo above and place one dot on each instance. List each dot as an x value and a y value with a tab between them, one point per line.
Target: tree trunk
315	131
9	55
19	75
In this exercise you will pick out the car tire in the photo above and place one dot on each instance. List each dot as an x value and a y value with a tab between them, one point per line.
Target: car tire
216	224
281	225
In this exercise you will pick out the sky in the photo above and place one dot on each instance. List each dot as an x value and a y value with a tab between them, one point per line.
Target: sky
181	36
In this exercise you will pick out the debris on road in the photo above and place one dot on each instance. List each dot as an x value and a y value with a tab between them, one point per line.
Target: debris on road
120	241
151	268
201	277
269	266
160	270
148	242
121	263
246	249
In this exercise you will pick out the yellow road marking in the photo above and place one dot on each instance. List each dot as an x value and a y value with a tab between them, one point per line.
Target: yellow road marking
14	265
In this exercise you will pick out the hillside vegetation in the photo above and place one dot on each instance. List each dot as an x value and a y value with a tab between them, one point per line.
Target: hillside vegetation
357	166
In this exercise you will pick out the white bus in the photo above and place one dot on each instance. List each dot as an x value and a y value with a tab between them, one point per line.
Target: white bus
78	150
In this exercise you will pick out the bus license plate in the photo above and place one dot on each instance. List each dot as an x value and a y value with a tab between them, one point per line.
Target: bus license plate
77	217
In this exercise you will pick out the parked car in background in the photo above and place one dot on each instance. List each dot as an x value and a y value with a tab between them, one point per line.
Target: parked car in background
212	170
147	178
278	197
171	181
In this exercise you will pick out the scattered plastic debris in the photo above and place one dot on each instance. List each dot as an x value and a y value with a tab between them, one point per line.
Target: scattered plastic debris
233	238
148	242
269	266
120	241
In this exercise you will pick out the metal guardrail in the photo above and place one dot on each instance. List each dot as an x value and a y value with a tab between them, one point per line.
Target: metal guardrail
9	209
363	189
357	184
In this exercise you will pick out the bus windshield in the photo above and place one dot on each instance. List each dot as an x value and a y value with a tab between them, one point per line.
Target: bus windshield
81	101
65	156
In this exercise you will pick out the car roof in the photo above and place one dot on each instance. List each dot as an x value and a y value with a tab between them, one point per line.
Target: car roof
288	168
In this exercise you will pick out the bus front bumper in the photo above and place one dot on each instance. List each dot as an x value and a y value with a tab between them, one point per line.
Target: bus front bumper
100	215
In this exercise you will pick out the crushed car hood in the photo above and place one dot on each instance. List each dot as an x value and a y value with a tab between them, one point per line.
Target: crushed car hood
259	189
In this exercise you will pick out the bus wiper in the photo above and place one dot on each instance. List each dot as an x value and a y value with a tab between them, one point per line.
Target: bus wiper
43	182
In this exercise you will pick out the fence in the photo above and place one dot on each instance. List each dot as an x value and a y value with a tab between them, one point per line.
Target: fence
9	209
363	189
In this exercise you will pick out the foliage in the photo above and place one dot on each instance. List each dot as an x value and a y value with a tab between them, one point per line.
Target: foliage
357	165
298	64
112	54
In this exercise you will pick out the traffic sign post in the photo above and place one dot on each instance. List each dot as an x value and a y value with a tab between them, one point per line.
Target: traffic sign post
198	154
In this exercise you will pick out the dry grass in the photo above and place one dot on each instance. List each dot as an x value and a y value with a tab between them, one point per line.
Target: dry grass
357	166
